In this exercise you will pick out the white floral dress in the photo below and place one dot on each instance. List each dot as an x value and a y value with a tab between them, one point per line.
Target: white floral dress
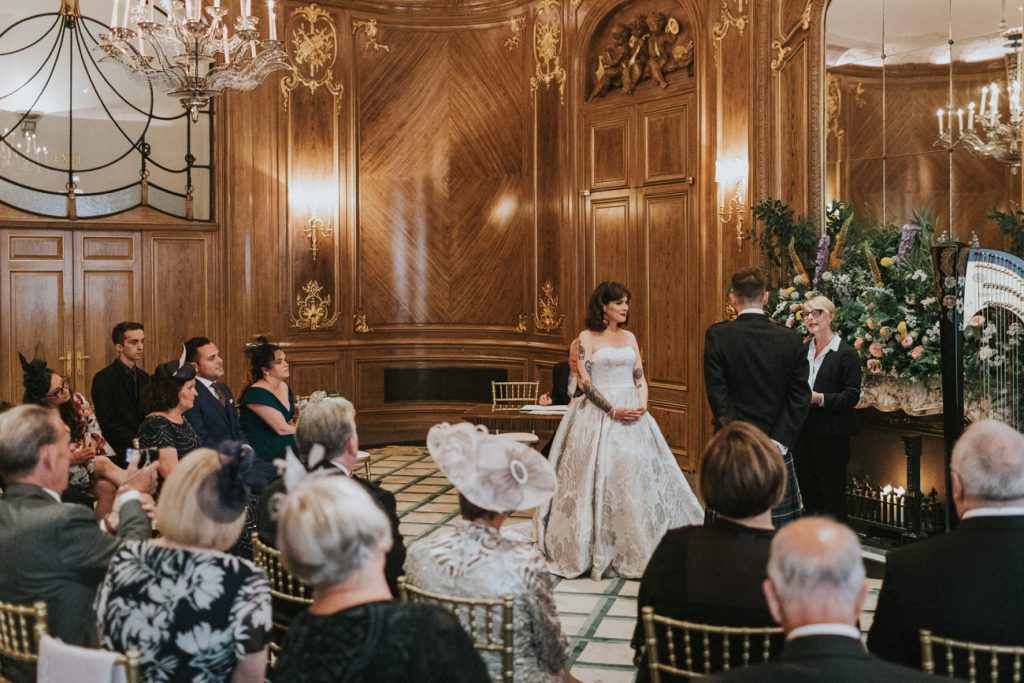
192	614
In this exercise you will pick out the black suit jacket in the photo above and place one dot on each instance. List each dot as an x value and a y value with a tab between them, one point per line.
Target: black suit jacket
273	497
838	380
824	659
560	384
117	407
213	422
967	584
756	371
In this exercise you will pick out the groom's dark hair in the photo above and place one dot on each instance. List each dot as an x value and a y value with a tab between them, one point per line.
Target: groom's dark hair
748	285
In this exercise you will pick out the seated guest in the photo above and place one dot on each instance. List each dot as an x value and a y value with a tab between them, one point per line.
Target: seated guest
815	590
213	415
92	474
966	584
116	388
268	405
330	424
713	574
494	476
166	399
192	612
334	538
563	380
53	551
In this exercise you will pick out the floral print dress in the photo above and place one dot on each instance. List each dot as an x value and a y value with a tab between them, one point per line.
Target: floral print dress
191	613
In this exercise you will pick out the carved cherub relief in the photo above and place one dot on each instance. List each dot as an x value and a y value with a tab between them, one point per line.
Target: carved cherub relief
648	47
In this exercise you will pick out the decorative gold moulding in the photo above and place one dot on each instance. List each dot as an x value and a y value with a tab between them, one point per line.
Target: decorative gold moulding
726	21
314	50
371	31
515	24
548	319
314	230
521	324
314	309
547	41
782	45
362	327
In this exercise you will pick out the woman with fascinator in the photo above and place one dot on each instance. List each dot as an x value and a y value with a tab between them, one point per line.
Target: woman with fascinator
92	474
472	559
268	404
170	393
194	612
619	486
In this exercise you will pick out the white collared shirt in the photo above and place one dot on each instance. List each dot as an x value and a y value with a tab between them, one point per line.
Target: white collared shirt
209	386
344	470
815	363
1008	511
823	630
751	310
53	494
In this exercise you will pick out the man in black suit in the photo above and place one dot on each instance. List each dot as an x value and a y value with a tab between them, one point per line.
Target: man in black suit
756	371
967	584
116	388
54	551
815	590
213	415
330	423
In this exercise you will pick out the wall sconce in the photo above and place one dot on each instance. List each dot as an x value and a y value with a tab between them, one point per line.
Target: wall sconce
733	172
316	228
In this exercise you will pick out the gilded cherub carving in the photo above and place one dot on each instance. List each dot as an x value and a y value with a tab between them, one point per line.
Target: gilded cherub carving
648	47
609	63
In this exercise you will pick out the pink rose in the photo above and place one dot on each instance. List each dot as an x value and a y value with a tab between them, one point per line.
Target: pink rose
858	343
793	308
907	341
916	353
875	350
790	321
871	323
976	321
874	366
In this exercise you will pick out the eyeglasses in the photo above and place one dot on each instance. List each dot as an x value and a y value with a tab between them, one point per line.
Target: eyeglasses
61	389
814	313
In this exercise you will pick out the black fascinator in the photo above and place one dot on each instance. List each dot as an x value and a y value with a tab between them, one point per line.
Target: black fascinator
180	370
224	494
36	379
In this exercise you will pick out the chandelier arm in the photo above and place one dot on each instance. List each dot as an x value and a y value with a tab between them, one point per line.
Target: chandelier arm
28	45
56	43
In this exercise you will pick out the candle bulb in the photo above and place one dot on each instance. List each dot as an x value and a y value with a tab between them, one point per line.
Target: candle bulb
939	113
949	121
227	52
270	18
970	116
994	106
127	6
960	121
113	15
984	100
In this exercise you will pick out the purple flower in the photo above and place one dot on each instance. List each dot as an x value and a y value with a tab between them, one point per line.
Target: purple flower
907	238
821	262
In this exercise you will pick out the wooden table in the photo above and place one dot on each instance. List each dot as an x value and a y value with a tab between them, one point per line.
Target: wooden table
512	420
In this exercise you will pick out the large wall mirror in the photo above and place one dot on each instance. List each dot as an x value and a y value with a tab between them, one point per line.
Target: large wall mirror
67	116
891	67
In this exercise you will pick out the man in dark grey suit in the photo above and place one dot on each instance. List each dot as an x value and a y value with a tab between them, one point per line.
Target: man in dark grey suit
967	584
815	590
756	371
54	551
214	415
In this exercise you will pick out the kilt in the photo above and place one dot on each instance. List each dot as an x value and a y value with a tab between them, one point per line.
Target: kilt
791	507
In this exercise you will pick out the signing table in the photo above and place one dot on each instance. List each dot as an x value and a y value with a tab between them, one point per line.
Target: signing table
542	421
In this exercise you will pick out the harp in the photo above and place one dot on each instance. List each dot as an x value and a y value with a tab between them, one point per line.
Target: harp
981	327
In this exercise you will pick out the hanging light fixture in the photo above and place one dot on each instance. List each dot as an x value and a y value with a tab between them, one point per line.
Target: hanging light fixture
189	55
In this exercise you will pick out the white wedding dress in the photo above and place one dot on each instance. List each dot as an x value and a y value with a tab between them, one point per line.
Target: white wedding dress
619	487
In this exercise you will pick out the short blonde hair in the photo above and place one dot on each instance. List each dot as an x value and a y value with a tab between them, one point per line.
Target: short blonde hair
820	303
742	473
328	527
329	422
178	515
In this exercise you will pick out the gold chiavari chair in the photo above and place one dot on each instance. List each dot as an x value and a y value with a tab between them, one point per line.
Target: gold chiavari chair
284	588
513	395
22	627
130	660
711	646
961	654
475	615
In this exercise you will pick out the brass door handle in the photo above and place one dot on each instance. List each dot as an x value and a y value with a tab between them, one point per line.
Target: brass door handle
67	358
79	365
689	180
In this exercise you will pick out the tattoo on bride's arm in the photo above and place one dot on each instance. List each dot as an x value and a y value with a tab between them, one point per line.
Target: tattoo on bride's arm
580	351
596	397
587	365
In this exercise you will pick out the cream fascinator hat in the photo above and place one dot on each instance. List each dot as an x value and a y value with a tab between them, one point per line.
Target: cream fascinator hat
492	472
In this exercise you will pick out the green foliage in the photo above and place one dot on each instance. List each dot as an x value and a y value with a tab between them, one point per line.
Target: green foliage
779	225
1011	225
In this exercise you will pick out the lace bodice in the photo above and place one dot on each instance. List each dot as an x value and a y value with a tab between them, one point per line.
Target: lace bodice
612	368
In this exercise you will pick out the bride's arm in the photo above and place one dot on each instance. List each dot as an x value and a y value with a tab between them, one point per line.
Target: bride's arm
638	374
584	358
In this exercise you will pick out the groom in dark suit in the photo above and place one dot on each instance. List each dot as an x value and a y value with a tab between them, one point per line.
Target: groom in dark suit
756	371
213	416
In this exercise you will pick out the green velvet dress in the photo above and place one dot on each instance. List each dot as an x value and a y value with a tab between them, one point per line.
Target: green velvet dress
268	444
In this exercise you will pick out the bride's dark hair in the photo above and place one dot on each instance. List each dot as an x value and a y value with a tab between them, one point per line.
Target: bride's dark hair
605	293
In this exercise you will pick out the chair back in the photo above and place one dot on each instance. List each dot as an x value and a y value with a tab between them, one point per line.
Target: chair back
284	588
973	661
22	628
59	661
513	395
477	616
707	648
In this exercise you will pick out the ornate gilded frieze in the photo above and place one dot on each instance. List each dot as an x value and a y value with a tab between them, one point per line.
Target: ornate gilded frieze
313	45
361	326
515	25
521	324
647	47
314	309
548	318
370	31
547	42
727	20
782	46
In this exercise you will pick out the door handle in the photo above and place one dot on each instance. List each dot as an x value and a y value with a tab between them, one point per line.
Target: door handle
67	358
689	180
79	365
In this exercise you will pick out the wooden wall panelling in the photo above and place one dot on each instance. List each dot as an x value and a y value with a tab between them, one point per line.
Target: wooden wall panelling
108	289
36	310
610	151
608	217
314	369
791	158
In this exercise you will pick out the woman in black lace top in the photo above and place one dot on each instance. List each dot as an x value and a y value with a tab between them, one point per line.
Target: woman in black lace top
165	399
333	536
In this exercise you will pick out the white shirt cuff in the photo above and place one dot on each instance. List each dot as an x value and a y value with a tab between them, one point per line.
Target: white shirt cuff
131	494
782	449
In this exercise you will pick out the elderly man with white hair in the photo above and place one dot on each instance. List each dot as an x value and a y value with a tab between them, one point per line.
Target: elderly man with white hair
815	590
969	583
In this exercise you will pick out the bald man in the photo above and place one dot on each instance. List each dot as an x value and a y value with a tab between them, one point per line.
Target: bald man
815	590
967	584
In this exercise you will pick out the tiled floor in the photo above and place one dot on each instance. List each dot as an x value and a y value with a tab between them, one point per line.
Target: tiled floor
597	616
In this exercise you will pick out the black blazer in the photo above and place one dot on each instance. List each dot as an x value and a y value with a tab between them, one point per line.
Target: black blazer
213	422
117	406
839	380
756	370
967	584
835	659
560	384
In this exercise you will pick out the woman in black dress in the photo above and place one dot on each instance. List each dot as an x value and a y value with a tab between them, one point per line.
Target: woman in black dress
166	398
823	449
333	536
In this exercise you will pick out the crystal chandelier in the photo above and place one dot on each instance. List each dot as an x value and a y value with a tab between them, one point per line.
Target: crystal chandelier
986	133
190	56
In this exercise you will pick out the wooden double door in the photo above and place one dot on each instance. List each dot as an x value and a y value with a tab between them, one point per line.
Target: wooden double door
641	228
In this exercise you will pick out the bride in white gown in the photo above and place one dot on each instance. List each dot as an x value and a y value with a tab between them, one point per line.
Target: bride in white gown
619	487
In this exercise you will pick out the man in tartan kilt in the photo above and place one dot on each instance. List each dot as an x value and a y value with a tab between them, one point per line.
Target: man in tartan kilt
756	370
